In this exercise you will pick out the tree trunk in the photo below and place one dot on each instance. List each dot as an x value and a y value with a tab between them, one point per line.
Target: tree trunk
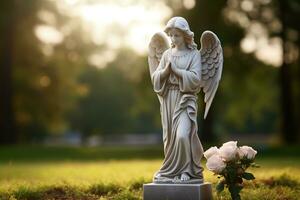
7	125
206	131
209	134
288	132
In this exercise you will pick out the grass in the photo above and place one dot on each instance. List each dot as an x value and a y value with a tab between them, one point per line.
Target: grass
38	173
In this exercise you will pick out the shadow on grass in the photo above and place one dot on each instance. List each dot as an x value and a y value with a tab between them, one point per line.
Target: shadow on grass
283	180
96	191
46	154
283	187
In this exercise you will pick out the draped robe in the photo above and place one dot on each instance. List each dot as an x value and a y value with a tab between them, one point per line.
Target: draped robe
178	108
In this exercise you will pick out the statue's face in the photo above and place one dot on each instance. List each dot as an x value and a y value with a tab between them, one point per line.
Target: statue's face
176	36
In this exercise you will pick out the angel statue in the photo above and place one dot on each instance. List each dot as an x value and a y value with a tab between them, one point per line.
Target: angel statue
178	72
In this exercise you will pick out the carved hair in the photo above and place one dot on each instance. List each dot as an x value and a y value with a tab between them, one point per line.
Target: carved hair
181	24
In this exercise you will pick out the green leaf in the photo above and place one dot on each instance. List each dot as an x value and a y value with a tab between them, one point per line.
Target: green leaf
220	187
248	176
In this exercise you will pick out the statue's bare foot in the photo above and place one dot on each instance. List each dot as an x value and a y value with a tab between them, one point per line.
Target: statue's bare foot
176	179
185	177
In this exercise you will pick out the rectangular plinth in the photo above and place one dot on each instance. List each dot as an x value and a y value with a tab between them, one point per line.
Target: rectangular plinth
153	191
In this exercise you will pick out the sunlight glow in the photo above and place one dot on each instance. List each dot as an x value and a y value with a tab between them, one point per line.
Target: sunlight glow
248	44
270	51
117	24
247	5
48	34
47	17
133	24
189	4
258	41
102	58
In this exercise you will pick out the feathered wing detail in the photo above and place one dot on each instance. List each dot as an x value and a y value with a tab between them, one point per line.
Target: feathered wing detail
158	44
212	64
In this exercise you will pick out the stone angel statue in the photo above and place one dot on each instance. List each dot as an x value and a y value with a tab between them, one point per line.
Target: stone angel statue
178	72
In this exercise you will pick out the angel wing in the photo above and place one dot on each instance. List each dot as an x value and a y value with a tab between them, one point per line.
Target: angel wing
212	64
158	44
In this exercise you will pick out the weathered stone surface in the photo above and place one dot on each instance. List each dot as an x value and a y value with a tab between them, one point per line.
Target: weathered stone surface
153	191
178	72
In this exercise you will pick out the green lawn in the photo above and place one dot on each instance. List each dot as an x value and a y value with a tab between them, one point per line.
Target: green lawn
118	173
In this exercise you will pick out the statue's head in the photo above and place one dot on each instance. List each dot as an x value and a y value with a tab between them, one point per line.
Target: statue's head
180	25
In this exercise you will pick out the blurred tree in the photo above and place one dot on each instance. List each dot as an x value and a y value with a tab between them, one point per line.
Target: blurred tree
243	81
118	98
46	70
105	109
289	11
43	57
276	23
145	108
7	26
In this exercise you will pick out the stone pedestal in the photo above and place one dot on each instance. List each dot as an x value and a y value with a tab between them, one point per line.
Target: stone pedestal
154	191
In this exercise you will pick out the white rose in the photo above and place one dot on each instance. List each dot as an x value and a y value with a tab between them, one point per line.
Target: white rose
228	151
230	143
246	151
211	151
215	164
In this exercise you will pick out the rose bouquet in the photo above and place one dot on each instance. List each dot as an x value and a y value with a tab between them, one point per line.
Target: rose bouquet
230	163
